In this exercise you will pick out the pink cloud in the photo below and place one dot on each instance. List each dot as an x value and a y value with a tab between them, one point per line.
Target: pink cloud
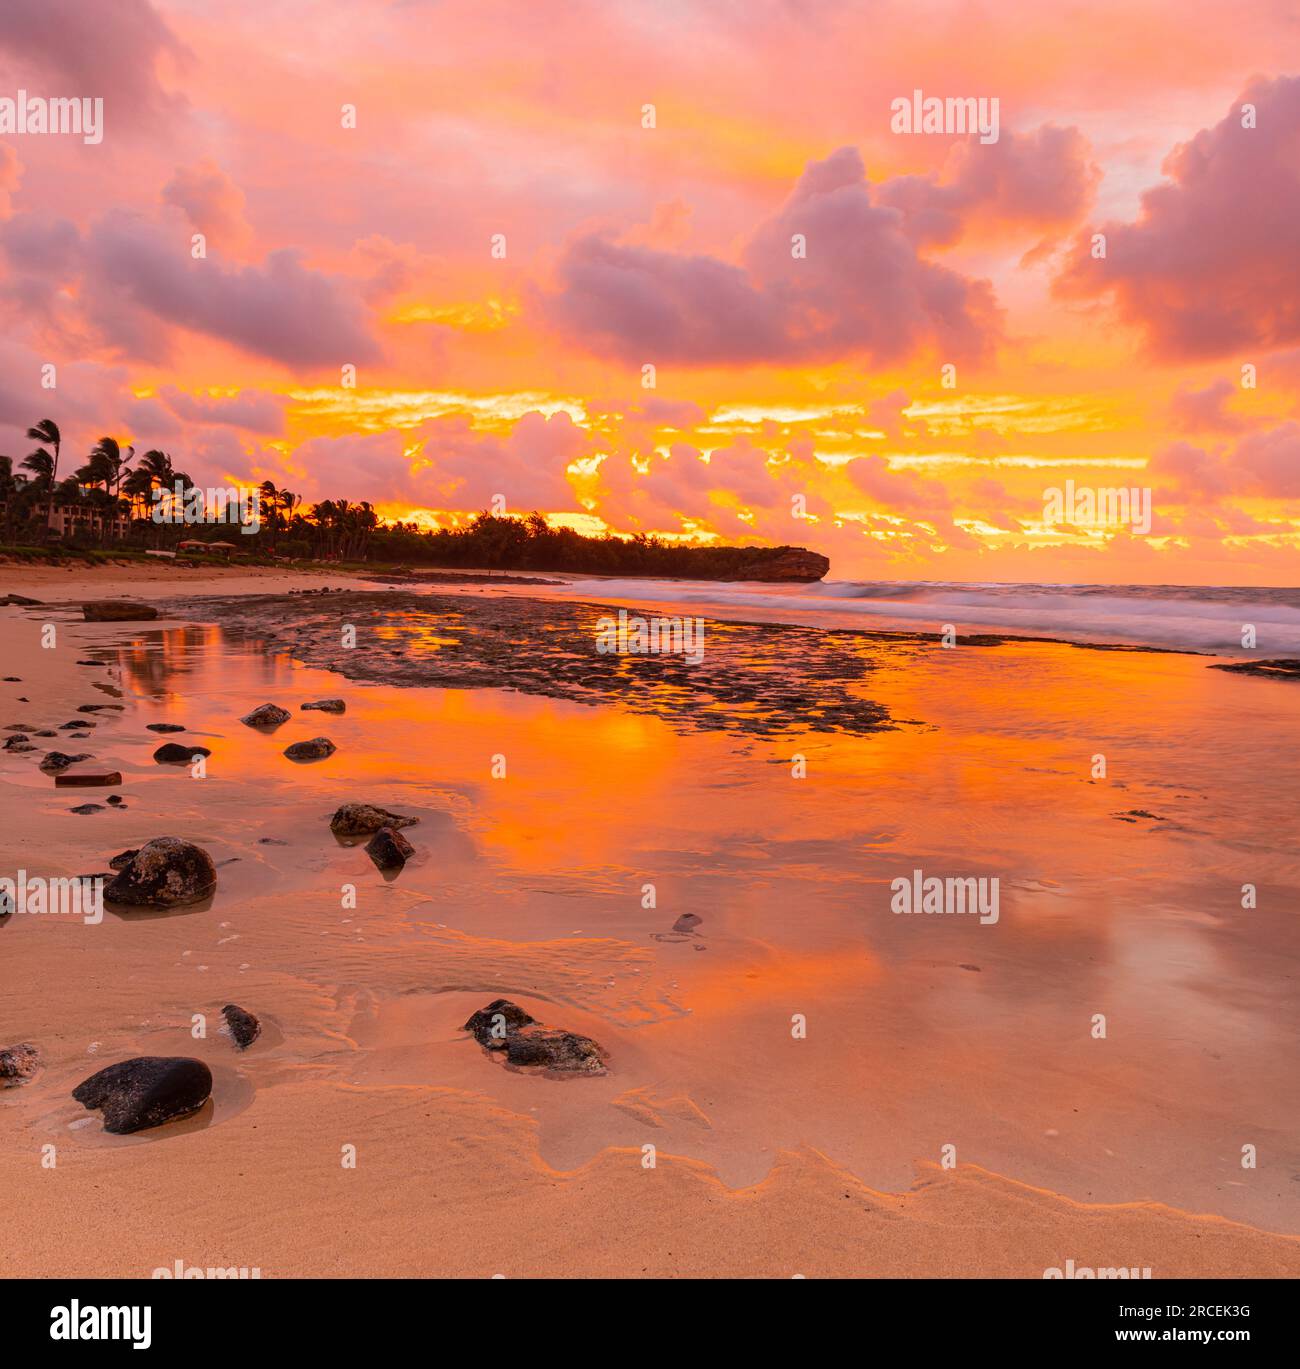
1043	180
861	289
281	309
1209	267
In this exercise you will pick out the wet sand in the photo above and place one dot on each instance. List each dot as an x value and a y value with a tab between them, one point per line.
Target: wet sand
775	1154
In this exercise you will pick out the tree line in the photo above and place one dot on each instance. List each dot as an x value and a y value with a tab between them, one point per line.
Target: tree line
113	483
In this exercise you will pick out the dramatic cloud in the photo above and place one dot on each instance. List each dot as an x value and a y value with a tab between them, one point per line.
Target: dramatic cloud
1042	180
1209	268
109	50
832	274
281	310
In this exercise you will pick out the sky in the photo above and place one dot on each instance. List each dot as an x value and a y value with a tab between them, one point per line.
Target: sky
675	268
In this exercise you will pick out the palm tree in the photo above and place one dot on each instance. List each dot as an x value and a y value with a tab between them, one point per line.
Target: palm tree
106	466
8	494
47	433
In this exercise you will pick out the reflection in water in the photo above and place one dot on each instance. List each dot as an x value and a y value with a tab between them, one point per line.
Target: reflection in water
559	882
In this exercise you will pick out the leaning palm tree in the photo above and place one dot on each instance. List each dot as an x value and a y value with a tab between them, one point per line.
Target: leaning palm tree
47	433
106	466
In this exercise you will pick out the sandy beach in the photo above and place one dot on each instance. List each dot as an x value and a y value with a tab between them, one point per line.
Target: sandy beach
828	1088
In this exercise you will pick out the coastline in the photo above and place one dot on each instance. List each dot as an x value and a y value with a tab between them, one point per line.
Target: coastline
363	1007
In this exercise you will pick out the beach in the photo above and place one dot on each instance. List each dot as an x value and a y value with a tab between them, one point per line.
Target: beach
805	1081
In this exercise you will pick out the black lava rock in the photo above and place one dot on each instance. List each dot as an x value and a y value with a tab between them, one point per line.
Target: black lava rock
146	1092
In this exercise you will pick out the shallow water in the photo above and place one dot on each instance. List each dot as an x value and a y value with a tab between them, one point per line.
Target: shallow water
922	1031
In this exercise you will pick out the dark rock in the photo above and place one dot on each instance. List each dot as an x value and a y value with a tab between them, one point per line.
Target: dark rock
529	1044
117	611
314	750
360	819
783	563
1283	669
18	1064
687	923
45	732
164	727
20	727
271	841
100	708
244	1026
115	800
13	679
267	715
493	1024
17	739
75	727
110	778
23	746
146	1092
389	849
164	873
58	760
18	601
172	753
89	662
553	1049
326	706
87	808
120	862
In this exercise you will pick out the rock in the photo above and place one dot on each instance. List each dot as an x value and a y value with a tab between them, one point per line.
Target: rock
116	800
164	727
243	1026
553	1049
110	779
77	725
89	662
120	862
491	1025
360	819
528	1044
271	841
18	739
315	750
164	873
99	708
45	732
267	715
326	706
117	611
20	727
18	1064
389	849
58	760
172	753
146	1092
687	923
87	808
1282	669
18	601
23	746
787	563
13	679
